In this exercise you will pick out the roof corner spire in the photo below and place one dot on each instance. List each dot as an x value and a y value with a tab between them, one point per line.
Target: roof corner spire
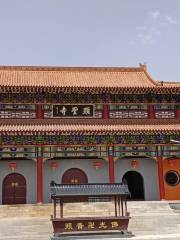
143	66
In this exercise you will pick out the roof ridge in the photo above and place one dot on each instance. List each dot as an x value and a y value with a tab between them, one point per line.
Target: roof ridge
67	68
168	82
156	83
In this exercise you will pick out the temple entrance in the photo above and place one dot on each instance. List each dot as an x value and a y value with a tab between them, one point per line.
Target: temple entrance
74	176
14	189
135	185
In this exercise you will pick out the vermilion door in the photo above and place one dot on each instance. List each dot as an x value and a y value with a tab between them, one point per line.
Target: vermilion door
74	176
14	189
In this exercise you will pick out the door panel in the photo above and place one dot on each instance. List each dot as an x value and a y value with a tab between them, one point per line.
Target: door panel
14	189
74	176
8	190
20	189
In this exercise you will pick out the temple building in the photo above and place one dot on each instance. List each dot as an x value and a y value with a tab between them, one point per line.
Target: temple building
87	125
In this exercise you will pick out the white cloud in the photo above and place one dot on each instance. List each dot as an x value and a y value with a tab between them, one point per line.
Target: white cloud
149	32
167	21
154	14
149	37
170	20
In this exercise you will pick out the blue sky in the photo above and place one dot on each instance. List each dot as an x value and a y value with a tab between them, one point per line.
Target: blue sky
92	33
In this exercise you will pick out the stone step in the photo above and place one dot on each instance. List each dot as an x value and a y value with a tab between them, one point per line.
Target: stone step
135	209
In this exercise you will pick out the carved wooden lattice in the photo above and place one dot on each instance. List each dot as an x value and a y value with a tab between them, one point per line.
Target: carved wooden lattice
128	114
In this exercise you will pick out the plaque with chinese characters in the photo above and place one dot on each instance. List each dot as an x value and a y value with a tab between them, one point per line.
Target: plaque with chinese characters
73	111
88	224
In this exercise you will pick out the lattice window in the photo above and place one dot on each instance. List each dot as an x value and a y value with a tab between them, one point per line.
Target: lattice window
48	115
164	111
17	107
117	107
128	111
47	108
165	114
17	111
128	114
98	111
7	114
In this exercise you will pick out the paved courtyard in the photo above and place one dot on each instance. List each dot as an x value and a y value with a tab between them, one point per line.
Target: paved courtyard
40	228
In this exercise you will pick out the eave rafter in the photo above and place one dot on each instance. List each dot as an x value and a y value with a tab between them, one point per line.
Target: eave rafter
93	90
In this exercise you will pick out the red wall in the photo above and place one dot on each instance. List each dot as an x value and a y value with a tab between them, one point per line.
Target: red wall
171	192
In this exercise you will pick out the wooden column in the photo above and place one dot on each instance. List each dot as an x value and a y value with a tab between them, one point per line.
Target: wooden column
105	112
39	111
39	176
151	111
160	177
177	112
111	164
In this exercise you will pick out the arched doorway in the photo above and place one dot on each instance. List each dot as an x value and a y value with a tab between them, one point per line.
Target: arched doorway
74	176
135	185
14	189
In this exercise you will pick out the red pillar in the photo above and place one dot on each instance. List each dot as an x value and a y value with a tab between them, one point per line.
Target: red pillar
151	111
39	111
177	112
161	177
39	180
111	165
105	112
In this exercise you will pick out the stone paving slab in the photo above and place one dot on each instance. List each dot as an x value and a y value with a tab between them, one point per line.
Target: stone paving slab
41	229
145	237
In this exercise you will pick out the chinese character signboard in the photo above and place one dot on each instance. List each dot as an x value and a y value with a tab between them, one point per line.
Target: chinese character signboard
90	224
73	110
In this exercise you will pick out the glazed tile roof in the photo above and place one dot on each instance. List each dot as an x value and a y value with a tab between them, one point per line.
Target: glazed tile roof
89	126
90	189
75	77
82	79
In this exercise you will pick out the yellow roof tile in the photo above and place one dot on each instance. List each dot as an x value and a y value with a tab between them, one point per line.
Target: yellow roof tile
75	77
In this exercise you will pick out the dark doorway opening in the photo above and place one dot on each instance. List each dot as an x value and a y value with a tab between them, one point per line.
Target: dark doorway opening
135	185
14	189
74	176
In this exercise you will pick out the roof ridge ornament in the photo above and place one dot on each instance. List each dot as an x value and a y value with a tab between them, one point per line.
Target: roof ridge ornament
143	66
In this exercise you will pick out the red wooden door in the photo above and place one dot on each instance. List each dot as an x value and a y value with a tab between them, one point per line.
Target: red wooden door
74	176
14	189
